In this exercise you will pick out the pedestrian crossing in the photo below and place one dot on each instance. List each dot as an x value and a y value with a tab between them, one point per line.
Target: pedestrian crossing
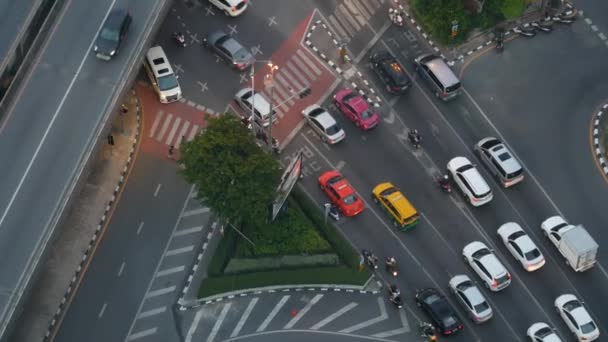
299	71
350	16
171	130
345	313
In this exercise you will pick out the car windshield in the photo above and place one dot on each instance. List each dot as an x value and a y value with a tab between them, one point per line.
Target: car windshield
334	179
366	114
482	252
315	112
350	199
571	305
588	327
464	285
481	307
167	82
533	254
543	332
331	130
109	34
463	168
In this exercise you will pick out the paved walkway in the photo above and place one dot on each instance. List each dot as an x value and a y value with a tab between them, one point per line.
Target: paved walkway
84	220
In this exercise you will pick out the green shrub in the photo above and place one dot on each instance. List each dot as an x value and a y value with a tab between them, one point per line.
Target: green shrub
238	265
513	8
224	251
436	16
322	275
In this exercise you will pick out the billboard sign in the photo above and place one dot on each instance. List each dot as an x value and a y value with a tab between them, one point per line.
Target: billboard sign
288	181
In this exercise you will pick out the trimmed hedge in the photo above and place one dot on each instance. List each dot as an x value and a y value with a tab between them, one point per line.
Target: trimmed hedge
237	265
342	247
224	251
323	275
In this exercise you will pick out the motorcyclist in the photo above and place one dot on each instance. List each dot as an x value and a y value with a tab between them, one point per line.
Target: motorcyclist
444	181
396	16
395	293
414	136
428	331
391	262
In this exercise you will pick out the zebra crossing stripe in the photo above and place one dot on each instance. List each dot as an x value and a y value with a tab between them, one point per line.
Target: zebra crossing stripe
361	9
349	17
311	64
355	13
193	132
303	312
163	129
218	323
288	76
334	316
339	28
273	313
176	123
243	319
283	95
159	115
297	72
342	19
182	133
369	7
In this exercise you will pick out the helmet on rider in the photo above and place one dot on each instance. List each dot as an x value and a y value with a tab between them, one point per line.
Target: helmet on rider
446	177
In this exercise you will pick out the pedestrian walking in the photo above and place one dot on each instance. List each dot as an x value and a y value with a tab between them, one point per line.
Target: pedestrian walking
124	109
171	150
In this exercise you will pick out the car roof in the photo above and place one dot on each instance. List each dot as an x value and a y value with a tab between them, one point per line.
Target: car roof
260	103
358	102
215	36
343	187
438	66
503	156
325	119
394	69
458	162
116	17
493	265
474	295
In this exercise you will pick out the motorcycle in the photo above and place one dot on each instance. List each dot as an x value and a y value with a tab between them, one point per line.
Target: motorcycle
396	17
334	212
414	138
370	259
542	26
525	31
427	330
391	266
444	185
276	146
395	296
499	39
179	38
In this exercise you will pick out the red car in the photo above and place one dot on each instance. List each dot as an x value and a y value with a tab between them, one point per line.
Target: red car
341	193
356	108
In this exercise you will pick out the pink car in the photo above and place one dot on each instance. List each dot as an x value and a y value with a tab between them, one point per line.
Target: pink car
356	108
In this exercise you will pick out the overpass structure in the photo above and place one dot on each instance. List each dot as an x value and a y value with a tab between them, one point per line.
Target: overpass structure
53	121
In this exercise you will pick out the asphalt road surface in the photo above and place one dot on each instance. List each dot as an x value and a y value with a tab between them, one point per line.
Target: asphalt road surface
48	132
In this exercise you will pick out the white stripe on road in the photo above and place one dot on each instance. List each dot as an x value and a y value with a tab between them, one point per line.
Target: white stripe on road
195	212
355	12
376	4
361	9
159	115
281	96
296	85
160	292
141	334
404	329
368	6
285	83
103	309
194	325
170	271
163	129
372	321
182	133
303	312
298	74
152	312
338	28
305	57
157	190
243	319
179	250
345	19
218	323
176	123
193	132
303	67
334	316
188	231
141	225
273	313
122	267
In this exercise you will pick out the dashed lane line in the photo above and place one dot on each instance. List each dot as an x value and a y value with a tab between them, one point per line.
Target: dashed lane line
241	323
333	316
303	312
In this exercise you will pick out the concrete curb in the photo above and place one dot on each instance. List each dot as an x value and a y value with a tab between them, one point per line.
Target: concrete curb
596	138
195	264
272	289
95	239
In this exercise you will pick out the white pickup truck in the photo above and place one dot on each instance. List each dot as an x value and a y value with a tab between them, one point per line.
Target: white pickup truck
573	242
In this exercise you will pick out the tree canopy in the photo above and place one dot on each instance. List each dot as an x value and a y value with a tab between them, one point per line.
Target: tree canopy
234	176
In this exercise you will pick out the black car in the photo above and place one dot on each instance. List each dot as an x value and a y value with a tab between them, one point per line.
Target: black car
391	72
112	33
439	311
229	49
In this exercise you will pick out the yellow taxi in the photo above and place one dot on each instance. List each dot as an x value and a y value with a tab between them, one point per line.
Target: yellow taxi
396	204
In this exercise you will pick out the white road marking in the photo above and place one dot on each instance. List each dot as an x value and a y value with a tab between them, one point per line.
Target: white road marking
340	165
361	9
306	59
341	18
122	267
369	322
169	271
273	313
333	316
160	292
159	115
141	225
163	129
284	82
602	36
218	323
193	132
404	329
232	29
303	67
195	212
194	325
278	89
303	312
339	29
366	4
244	317
297	72
143	333
179	251
157	190
103	309
176	123
349	17
272	21
296	85
188	231
152	312
355	12
182	133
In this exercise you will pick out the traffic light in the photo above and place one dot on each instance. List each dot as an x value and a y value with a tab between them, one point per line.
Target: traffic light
305	92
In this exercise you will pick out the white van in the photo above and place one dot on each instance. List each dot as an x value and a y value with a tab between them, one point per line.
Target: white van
164	81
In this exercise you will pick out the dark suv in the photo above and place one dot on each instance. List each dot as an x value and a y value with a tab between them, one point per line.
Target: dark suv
112	33
439	310
391	72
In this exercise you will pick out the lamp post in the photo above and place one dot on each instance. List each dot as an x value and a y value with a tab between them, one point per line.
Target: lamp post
269	82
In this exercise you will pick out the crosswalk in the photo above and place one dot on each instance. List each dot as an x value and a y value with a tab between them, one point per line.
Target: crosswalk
344	313
350	16
192	232
171	129
299	71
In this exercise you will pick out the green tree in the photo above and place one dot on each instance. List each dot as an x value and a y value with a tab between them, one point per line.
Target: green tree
437	17
234	176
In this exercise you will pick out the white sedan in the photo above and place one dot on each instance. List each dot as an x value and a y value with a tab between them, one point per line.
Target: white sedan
576	317
521	246
542	332
324	124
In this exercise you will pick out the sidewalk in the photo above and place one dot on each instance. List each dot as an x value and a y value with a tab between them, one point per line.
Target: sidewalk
78	233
